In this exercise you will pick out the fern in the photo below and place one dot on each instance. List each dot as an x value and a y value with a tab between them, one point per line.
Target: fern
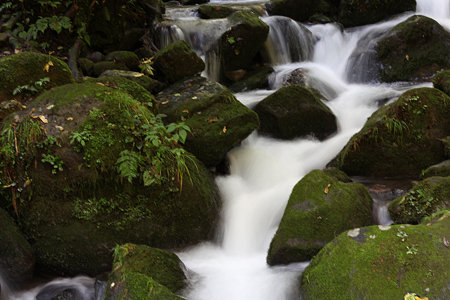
128	164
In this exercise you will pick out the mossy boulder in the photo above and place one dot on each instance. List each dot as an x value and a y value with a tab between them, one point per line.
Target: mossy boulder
414	50
319	208
28	69
238	46
299	10
255	79
441	169
381	262
294	111
178	61
209	11
80	193
86	66
218	121
142	272
100	67
127	58
16	255
425	198
442	81
362	12
151	85
400	139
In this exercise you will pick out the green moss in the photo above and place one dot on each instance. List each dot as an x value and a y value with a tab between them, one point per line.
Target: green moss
325	207
400	139
378	264
209	11
442	81
425	198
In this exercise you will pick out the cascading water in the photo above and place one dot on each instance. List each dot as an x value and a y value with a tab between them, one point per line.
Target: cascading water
263	171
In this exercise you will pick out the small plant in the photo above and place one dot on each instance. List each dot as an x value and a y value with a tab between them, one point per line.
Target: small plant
36	88
55	161
231	40
412	250
146	66
395	126
402	235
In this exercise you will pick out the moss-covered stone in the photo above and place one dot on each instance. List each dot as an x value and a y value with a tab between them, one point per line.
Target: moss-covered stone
362	12
16	255
425	198
441	169
127	58
294	111
162	266
381	262
400	139
442	81
238	46
209	11
178	61
319	208
88	201
218	121
86	66
414	50
150	84
299	10
28	68
101	67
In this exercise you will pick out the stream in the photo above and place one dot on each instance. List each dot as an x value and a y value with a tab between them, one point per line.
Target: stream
263	171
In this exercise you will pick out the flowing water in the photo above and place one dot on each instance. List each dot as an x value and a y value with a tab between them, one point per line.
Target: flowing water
263	171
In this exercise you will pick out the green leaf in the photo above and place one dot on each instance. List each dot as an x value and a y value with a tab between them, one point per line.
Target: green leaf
148	178
183	135
171	127
107	16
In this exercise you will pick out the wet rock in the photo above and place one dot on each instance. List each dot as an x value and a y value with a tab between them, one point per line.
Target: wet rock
442	81
16	255
299	10
414	50
396	261
178	61
27	68
423	200
441	169
150	84
217	119
357	13
256	79
293	112
319	208
95	57
209	11
236	75
400	139
238	46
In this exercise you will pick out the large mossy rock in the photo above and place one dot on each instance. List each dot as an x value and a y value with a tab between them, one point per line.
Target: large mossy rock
294	111
81	200
414	50
16	255
382	262
209	11
400	139
319	208
142	272
178	61
256	79
423	200
28	68
238	46
300	10
218	121
150	84
442	81
362	12
441	169
128	58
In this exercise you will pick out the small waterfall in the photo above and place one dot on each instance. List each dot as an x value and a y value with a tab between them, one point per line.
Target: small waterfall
439	9
169	34
288	41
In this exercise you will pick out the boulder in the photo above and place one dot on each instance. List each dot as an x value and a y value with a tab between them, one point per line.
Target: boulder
150	84
293	112
400	139
382	262
209	11
319	208
218	121
86	66
105	171
16	255
423	200
362	12
256	79
142	272
23	75
414	50
178	61
101	67
299	10
441	169
127	58
442	81
238	46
